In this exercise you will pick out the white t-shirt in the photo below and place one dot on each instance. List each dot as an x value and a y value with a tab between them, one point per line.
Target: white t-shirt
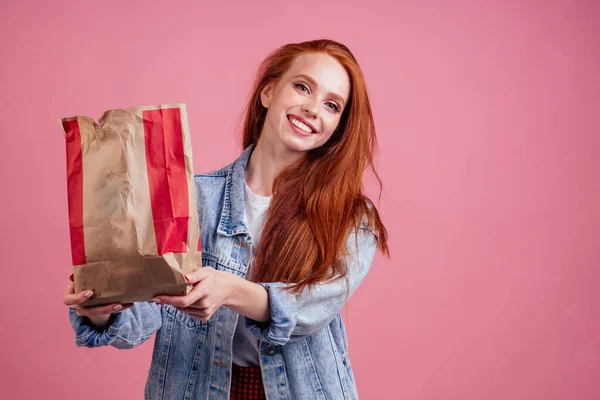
245	345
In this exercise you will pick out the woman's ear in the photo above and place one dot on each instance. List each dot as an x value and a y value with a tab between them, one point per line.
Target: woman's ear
265	95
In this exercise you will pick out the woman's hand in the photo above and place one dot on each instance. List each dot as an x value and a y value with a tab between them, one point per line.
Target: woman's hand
211	290
99	315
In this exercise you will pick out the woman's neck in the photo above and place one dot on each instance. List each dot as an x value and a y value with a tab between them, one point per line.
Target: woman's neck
265	164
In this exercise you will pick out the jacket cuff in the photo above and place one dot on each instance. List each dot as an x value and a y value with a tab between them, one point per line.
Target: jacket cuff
284	316
87	335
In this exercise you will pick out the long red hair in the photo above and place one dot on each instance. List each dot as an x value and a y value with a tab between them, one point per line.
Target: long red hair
319	199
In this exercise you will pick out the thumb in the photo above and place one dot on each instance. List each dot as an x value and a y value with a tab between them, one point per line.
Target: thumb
198	275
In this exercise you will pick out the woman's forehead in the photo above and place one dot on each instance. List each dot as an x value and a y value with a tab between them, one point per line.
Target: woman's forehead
325	70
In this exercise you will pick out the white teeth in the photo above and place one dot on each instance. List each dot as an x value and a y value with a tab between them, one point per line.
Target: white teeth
300	125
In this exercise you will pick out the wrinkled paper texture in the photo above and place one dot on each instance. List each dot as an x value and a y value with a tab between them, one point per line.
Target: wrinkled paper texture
122	260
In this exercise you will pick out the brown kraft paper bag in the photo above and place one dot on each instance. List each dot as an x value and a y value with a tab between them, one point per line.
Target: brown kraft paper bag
132	203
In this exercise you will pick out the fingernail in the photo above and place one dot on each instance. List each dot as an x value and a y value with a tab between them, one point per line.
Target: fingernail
89	293
157	301
118	307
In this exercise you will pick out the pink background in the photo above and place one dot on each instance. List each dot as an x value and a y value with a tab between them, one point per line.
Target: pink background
490	155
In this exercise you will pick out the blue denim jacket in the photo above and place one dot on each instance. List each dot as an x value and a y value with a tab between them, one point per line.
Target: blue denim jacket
303	349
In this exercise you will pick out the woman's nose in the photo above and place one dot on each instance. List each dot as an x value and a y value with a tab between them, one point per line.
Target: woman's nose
310	109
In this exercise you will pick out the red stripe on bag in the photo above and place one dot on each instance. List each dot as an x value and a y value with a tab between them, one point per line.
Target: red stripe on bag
167	179
75	190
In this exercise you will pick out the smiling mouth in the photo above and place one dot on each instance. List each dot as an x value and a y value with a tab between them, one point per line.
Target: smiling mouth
301	125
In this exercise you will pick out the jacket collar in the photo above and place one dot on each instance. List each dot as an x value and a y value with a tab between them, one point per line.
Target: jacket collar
232	215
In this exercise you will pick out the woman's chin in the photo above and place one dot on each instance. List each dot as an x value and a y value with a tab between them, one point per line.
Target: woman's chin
298	144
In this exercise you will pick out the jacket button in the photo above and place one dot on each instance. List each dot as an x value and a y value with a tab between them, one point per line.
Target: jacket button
270	351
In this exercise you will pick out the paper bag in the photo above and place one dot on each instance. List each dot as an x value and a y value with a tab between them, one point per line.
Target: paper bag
132	203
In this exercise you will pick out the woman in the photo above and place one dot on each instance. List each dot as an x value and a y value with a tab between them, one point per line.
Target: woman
308	137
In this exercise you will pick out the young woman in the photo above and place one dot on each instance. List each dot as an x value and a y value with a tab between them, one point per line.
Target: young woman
287	237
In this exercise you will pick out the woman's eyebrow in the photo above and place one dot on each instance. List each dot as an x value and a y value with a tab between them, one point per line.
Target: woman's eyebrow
314	83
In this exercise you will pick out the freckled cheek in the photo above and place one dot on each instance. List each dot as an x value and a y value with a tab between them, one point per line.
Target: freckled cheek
330	125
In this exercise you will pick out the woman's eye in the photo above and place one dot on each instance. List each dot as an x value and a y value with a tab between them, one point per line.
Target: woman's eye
301	87
333	106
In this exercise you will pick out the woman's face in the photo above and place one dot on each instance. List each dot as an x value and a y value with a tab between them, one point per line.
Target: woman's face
306	104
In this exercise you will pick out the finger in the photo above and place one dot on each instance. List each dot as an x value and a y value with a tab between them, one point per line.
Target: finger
198	275
125	307
175	301
200	294
194	309
197	313
200	312
99	310
88	312
70	288
197	293
72	299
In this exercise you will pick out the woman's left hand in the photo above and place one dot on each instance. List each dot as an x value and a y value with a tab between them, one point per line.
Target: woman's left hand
211	290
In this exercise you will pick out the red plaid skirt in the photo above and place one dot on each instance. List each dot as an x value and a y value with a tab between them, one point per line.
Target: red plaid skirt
246	384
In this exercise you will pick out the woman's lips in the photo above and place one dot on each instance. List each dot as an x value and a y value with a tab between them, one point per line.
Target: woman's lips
298	130
303	121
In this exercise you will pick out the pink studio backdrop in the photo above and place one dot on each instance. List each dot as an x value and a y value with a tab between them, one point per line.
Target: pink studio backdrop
487	116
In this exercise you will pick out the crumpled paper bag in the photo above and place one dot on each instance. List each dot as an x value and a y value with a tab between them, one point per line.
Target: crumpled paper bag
132	203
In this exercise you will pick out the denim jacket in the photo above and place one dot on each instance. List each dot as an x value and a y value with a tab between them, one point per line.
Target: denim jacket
303	349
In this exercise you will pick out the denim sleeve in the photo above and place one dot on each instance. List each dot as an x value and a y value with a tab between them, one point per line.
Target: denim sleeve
128	329
294	317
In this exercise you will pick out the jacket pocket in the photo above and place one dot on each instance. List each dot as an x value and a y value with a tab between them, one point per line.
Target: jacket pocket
179	351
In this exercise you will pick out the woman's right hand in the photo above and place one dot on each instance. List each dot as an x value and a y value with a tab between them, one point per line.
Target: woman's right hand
99	315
